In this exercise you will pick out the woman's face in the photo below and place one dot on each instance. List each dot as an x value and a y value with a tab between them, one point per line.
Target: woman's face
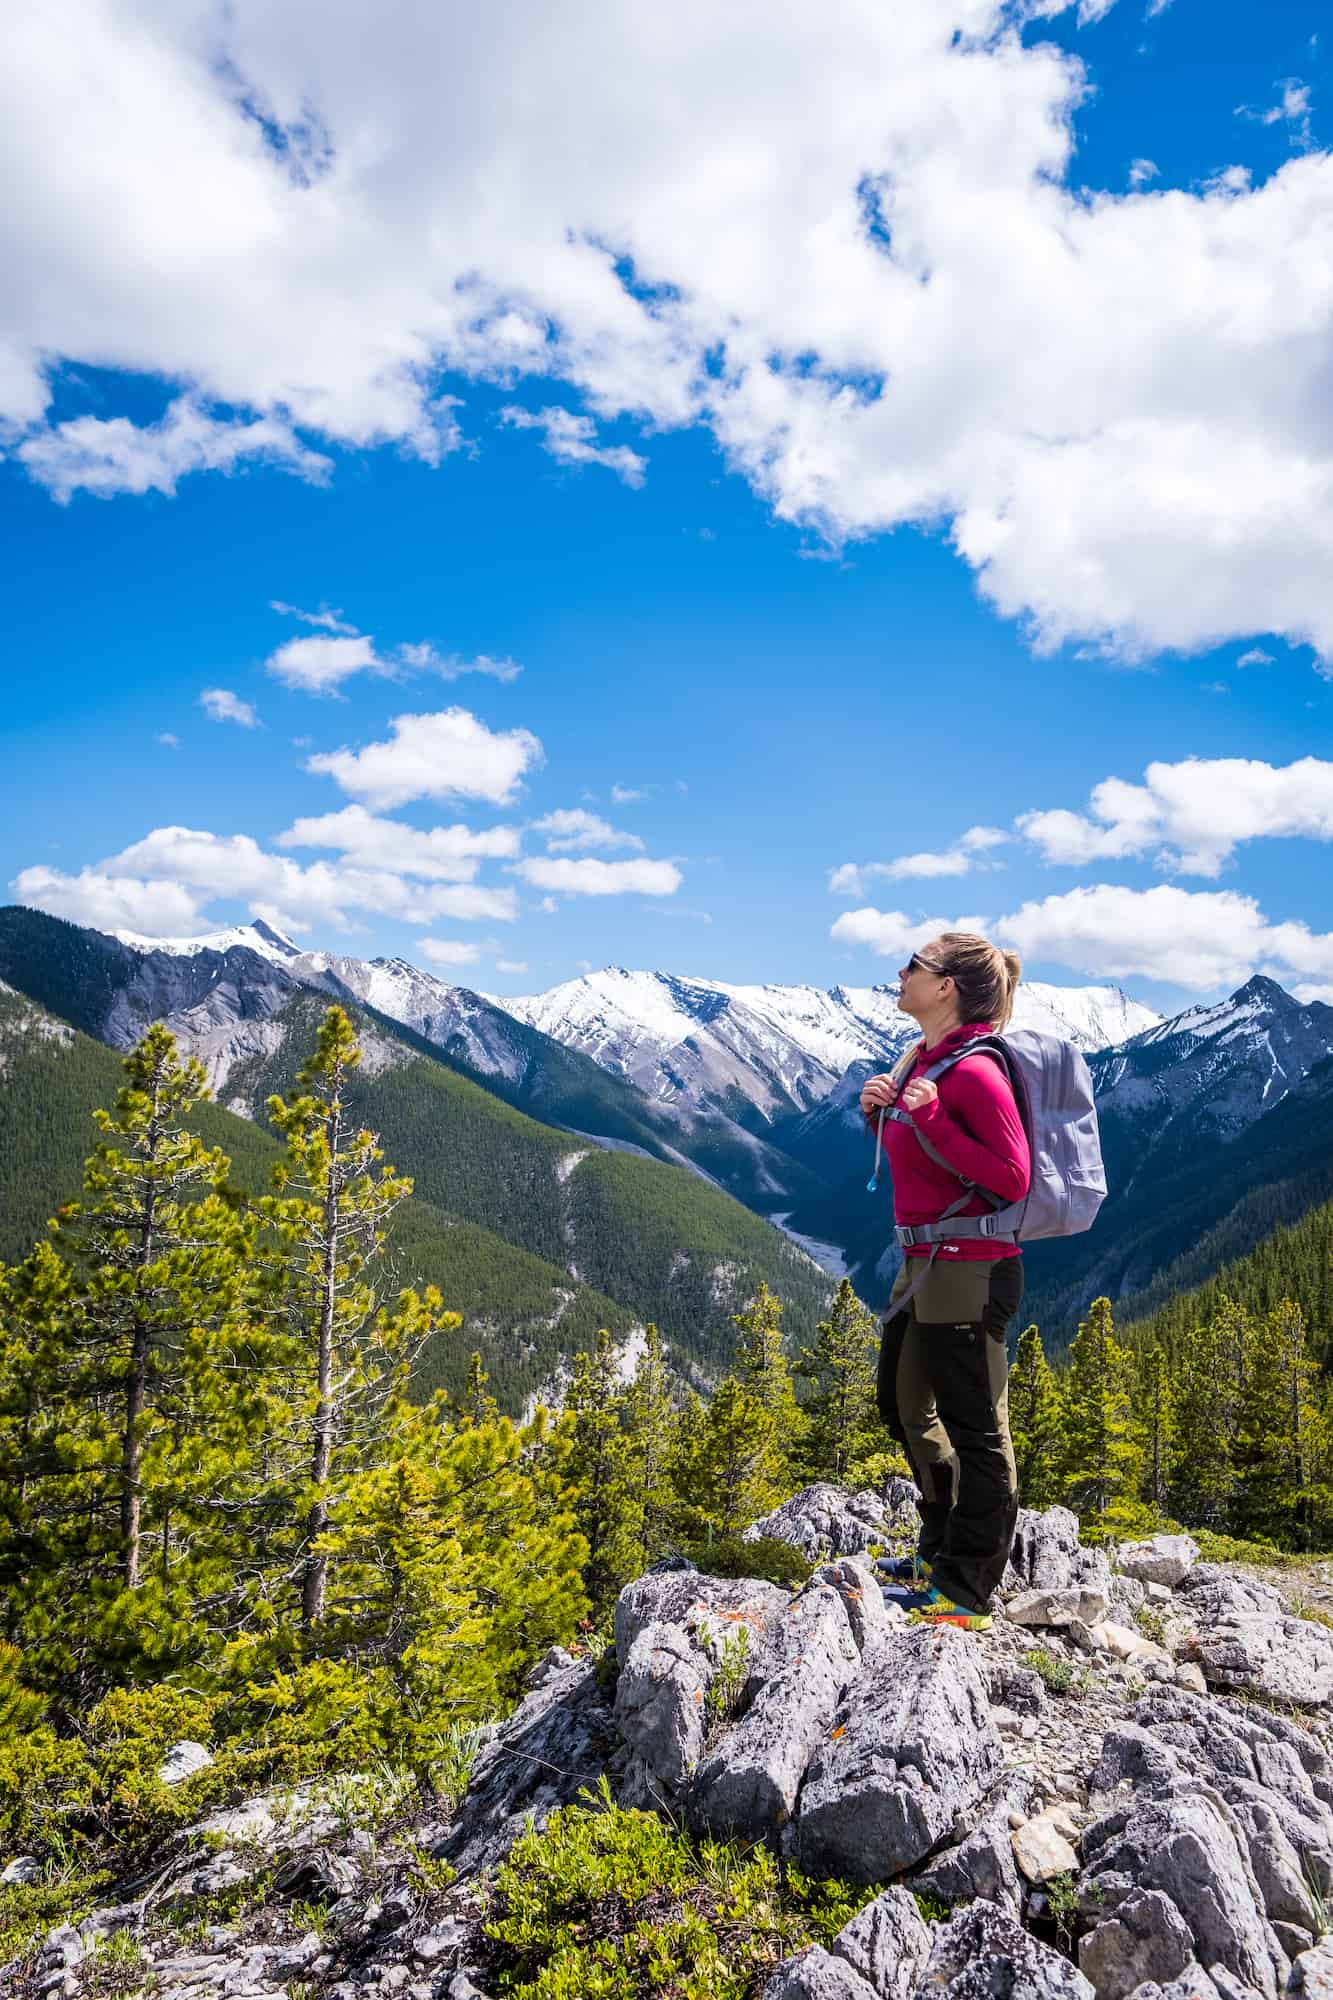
919	978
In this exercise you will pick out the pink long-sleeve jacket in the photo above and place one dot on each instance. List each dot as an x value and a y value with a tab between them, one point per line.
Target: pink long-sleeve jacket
975	1125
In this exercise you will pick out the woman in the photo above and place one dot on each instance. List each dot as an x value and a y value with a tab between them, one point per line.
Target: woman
943	1365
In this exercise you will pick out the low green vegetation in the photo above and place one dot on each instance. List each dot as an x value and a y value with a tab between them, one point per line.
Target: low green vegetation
615	1905
1060	1676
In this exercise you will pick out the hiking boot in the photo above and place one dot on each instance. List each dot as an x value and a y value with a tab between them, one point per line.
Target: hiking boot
911	1570
932	1607
941	1610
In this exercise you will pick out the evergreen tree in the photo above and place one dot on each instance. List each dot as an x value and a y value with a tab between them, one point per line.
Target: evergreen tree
1157	1423
650	1431
843	1431
477	1405
727	1464
1036	1424
606	1503
1103	1454
1275	1419
1201	1474
333	1201
118	1402
762	1369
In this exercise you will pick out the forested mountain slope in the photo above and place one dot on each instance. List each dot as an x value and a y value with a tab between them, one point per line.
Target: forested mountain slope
525	1314
531	1231
220	994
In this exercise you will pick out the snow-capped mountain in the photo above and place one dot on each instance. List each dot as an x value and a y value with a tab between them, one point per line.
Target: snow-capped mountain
1207	1073
777	1049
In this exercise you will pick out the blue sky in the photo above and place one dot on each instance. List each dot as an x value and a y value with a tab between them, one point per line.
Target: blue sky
860	481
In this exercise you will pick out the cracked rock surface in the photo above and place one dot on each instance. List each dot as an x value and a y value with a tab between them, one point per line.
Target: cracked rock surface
1048	1811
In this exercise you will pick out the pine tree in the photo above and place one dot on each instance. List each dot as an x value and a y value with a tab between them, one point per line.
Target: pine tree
650	1430
843	1431
1157	1424
601	1482
762	1369
1103	1454
1201	1474
477	1405
332	1202
727	1464
1275	1419
118	1399
151	1254
1036	1424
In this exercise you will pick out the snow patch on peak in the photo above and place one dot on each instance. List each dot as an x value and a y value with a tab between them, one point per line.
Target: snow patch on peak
259	937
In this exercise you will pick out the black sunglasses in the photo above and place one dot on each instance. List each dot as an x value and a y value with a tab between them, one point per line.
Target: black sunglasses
927	965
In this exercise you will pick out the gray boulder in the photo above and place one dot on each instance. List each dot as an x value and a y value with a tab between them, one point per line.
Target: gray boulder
982	1952
1047	1555
660	1708
911	1747
1191	1848
560	1738
1147	1938
748	1784
815	1974
1312	1973
982	1863
1164	1559
888	1944
697	1602
1085	1604
673	1629
1246	1639
863	1598
823	1520
182	1760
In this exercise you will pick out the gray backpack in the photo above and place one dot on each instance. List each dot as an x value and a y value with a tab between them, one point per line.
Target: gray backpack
1053	1090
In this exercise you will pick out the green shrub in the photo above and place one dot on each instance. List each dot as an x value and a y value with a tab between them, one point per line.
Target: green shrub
1060	1676
768	1558
1215	1548
29	1910
613	1905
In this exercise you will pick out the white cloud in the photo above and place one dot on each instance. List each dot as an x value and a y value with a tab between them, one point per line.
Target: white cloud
511	965
960	859
317	665
572	439
1293	109
444	755
571	830
1191	815
869	275
110	455
167	740
601	878
626	795
1202	940
326	620
449	951
187	869
1255	657
442	853
450	667
109	902
221	705
1143	171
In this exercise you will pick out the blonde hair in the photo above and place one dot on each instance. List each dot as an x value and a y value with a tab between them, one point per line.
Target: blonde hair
984	975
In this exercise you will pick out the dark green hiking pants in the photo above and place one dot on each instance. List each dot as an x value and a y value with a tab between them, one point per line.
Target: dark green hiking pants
944	1394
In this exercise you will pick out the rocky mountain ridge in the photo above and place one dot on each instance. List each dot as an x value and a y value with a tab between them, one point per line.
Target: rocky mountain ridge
1068	1807
777	1049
